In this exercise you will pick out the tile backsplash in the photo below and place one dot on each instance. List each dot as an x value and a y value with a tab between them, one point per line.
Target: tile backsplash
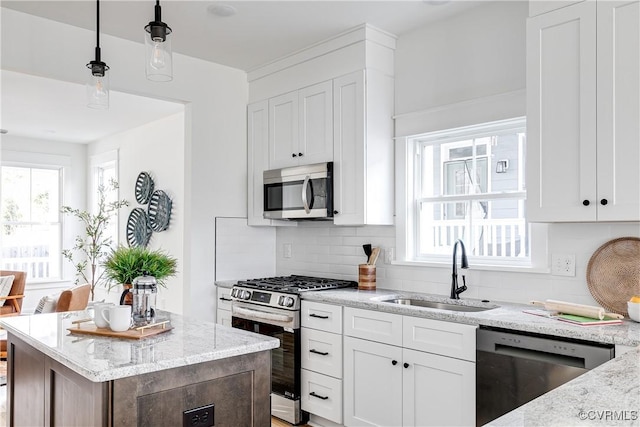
323	249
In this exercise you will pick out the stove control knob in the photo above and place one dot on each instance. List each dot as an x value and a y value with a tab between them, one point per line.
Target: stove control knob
234	293
288	301
281	299
246	295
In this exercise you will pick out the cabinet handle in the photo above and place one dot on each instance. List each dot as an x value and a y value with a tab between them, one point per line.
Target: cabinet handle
294	155
300	154
313	393
336	212
394	362
318	316
603	202
406	365
321	353
585	202
225	299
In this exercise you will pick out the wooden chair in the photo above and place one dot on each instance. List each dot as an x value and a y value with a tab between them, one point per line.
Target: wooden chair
13	304
74	299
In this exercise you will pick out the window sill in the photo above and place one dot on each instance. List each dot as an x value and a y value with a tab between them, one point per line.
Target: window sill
480	267
50	284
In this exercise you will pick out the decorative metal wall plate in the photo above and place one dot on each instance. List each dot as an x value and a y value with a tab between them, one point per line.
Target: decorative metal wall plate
138	229
159	210
144	188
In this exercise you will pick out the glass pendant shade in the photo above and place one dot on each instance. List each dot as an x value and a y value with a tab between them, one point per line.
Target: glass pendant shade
159	60
157	46
98	86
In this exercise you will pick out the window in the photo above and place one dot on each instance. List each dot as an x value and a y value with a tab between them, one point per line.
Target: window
31	228
468	183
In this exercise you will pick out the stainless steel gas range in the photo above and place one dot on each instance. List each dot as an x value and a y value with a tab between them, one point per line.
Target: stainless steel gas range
271	306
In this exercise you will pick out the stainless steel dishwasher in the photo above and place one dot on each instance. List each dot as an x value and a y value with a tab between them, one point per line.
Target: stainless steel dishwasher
514	367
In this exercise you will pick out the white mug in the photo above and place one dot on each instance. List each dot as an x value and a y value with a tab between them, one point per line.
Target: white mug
99	321
118	317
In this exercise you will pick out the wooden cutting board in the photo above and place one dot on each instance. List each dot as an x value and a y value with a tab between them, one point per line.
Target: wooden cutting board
87	327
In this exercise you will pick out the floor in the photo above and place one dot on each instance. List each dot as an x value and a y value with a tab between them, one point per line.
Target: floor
277	422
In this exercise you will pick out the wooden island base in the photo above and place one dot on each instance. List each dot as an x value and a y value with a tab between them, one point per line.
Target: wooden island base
44	392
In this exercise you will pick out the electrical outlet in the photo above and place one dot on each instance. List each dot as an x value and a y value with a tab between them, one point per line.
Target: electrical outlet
286	250
389	255
198	417
563	264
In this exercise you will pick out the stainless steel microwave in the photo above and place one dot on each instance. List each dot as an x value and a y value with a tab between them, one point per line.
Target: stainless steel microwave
299	192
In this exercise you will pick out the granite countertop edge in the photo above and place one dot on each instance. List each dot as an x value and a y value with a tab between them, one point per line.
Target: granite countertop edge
243	347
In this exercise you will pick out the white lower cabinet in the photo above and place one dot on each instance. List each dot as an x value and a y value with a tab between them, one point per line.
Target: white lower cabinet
321	360
223	310
437	390
413	383
372	383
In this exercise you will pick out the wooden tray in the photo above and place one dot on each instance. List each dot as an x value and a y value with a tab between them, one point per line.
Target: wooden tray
87	327
613	273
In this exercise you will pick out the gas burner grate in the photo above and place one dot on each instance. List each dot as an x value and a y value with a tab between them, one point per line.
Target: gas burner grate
295	284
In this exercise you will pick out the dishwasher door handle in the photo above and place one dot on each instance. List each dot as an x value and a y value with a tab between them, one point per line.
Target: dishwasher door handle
540	356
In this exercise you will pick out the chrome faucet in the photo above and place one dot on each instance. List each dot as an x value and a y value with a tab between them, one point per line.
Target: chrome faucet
455	290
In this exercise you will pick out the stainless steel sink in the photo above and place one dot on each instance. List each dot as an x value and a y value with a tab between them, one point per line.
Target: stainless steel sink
438	305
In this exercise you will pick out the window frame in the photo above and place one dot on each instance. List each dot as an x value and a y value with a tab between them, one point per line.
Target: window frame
407	180
60	168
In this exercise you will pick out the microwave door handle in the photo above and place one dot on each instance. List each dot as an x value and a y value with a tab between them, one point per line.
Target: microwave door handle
305	203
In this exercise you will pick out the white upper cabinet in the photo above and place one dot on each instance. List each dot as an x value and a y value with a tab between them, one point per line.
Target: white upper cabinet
301	127
257	160
331	102
363	149
582	113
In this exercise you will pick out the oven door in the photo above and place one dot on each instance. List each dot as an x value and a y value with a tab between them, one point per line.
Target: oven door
285	360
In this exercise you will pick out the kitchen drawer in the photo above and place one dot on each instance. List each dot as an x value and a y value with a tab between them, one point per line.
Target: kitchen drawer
224	317
324	317
321	352
443	338
373	325
224	298
322	396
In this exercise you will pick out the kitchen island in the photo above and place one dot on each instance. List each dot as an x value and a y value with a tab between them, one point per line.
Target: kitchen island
58	378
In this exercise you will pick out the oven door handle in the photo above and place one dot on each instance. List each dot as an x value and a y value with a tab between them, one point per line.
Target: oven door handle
262	315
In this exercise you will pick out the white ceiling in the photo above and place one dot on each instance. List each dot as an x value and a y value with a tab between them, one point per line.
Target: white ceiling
260	32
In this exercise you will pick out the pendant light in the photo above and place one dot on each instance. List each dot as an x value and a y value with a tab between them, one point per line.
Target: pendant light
159	63
98	84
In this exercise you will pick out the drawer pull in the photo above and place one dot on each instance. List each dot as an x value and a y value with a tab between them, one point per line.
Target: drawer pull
321	353
225	299
318	316
313	393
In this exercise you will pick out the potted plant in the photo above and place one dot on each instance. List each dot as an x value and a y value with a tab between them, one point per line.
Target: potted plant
93	246
126	263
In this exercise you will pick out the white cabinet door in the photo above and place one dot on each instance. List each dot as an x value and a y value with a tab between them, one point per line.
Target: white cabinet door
561	114
437	390
283	130
372	383
224	318
349	148
315	105
618	110
257	160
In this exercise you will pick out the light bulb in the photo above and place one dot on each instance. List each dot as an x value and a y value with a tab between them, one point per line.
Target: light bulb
100	91
158	61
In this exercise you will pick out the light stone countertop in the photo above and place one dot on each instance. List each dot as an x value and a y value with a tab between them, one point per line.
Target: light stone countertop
507	315
101	359
608	395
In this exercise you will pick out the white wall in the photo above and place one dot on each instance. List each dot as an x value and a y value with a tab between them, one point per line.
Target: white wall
215	99
480	54
156	148
74	193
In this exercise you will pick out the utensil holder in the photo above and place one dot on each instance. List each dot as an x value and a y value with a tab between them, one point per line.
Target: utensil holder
366	277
